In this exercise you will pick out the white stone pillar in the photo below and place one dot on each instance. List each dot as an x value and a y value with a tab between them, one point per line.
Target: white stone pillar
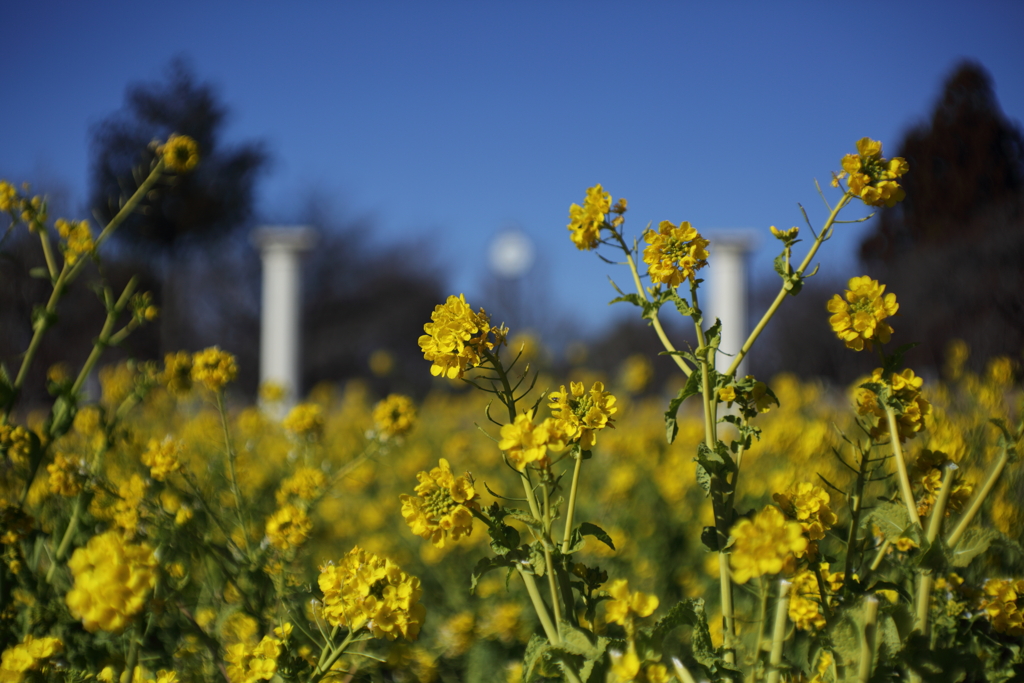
729	296
281	247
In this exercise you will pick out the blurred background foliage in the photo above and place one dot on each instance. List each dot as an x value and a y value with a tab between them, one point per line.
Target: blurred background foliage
952	253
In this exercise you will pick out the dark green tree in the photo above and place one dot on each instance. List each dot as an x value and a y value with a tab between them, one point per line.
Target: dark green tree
952	250
196	209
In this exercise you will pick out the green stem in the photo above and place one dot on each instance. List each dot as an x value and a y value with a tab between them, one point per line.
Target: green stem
825	233
972	511
570	512
69	533
231	468
324	666
51	263
867	648
540	608
779	632
69	273
901	467
655	322
556	605
855	510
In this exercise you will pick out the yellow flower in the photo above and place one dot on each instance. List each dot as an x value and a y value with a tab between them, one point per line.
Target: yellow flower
180	153
585	221
394	416
28	655
364	589
66	475
307	483
455	338
113	579
161	457
765	545
674	253
305	420
177	375
1003	602
786	236
636	373
805	598
443	505
250	664
288	527
625	604
214	368
808	504
873	178
16	443
77	239
381	363
8	196
526	443
861	317
580	413
906	388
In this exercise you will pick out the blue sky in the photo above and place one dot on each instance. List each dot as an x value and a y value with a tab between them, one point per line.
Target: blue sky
448	121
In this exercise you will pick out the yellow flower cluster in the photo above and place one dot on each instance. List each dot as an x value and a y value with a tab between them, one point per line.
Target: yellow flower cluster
455	338
805	598
67	475
1003	602
873	178
526	443
928	469
15	443
906	388
161	457
213	368
288	527
626	668
180	153
585	221
305	420
861	317
8	196
177	375
366	590
580	413
28	655
78	241
767	544
675	253
624	604
808	504
128	506
113	579
443	505
394	416
306	483
251	664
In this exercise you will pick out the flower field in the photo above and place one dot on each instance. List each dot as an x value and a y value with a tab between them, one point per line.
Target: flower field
518	525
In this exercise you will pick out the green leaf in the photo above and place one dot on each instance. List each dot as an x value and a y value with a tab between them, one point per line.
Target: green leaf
704	480
588	529
974	542
484	566
527	519
892	520
709	537
628	298
533	660
39	272
691	387
504	539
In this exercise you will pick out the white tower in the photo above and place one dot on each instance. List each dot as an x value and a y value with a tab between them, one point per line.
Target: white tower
727	276
280	247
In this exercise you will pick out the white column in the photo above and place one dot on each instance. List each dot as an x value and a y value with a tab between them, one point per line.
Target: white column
727	278
280	248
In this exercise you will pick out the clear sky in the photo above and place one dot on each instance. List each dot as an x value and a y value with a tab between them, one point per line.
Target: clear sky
448	121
